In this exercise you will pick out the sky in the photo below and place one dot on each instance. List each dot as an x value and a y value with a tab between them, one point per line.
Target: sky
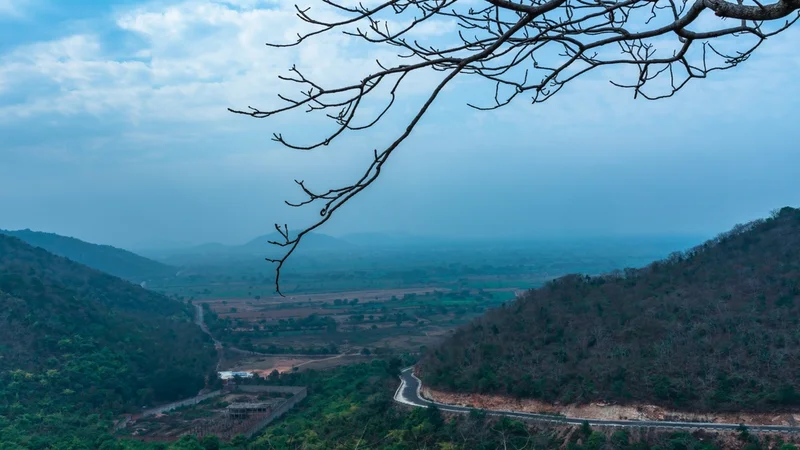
114	129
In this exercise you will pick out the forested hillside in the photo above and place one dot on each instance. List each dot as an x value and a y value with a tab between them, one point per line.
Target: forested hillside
78	347
108	259
714	328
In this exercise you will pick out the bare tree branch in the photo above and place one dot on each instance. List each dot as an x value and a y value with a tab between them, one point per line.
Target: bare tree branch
526	46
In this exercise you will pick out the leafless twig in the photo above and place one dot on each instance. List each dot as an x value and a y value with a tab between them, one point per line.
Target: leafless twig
532	47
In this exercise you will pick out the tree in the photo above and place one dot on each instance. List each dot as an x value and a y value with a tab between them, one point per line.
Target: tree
239	441
596	440
586	429
620	439
434	416
523	48
744	433
210	442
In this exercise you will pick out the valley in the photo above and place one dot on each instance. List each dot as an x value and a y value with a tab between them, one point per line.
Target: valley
366	328
375	320
399	225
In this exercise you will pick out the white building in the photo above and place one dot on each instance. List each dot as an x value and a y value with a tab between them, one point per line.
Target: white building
227	375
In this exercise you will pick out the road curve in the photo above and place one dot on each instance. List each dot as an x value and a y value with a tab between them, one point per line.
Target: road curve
408	393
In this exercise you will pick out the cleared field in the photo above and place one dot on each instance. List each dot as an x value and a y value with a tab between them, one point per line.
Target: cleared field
363	295
271	313
264	365
331	324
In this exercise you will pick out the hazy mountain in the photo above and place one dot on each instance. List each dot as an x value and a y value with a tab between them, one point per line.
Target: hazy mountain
256	250
105	258
310	242
713	328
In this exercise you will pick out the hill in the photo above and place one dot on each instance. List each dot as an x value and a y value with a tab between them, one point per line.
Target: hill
255	250
311	242
713	328
105	258
78	347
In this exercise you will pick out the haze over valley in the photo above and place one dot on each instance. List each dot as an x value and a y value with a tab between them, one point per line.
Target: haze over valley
399	225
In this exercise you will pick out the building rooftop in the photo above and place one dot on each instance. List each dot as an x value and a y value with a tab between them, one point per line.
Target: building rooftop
227	375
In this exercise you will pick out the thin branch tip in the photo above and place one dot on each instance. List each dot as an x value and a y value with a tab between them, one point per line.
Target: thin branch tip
534	47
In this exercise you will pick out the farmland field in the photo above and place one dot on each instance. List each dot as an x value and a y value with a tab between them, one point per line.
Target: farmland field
349	322
383	302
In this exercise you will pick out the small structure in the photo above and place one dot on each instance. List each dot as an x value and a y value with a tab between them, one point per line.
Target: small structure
246	414
228	375
243	410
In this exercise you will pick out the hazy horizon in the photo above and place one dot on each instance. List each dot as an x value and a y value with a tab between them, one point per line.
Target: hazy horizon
462	239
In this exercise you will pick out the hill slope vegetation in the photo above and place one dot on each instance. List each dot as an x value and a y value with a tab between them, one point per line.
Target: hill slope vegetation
78	347
105	258
713	328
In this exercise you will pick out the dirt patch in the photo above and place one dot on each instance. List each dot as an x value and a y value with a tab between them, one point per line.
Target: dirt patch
329	363
275	313
606	411
362	296
264	365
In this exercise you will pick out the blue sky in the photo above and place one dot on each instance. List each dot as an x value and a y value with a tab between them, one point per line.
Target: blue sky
114	130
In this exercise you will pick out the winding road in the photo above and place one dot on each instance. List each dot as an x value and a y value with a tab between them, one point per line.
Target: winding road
408	393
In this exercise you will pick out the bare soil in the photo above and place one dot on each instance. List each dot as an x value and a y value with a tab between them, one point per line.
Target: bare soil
362	296
274	313
264	365
606	411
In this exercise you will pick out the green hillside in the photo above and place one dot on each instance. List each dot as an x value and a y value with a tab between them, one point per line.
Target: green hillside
108	259
78	347
715	328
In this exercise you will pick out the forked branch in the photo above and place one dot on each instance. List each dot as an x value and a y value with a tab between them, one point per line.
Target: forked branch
531	47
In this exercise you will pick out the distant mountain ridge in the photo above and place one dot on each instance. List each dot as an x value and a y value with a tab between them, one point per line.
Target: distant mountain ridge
256	249
105	258
312	241
711	329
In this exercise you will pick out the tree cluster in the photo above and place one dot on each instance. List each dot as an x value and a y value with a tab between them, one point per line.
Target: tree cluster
79	347
714	328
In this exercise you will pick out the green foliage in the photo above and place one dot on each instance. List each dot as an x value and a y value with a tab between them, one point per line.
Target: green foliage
620	439
210	443
351	407
596	441
664	334
79	347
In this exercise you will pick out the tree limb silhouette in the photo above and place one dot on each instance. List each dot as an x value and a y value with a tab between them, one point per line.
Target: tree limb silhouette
532	47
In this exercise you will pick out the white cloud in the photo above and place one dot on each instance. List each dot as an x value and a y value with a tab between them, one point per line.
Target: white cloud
195	57
12	8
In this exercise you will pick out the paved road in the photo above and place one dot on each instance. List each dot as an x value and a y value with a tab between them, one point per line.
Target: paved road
408	393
